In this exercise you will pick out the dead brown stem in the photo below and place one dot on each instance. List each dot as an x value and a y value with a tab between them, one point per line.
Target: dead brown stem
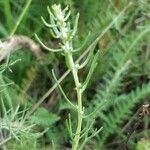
16	42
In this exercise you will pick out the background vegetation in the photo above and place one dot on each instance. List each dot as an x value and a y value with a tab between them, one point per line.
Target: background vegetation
117	97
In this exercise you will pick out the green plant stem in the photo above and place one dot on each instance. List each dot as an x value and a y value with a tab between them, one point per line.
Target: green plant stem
21	17
79	124
8	14
79	99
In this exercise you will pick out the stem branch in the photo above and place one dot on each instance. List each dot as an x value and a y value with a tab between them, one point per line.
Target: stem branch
74	71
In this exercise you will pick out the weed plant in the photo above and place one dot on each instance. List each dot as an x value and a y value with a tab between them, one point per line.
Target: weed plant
102	97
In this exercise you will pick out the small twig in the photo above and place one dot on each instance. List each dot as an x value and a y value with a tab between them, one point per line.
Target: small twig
18	41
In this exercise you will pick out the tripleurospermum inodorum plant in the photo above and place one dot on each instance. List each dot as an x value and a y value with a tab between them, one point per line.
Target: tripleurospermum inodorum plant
61	29
35	116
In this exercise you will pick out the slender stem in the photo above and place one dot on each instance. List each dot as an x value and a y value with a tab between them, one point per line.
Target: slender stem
80	113
21	17
8	14
79	99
